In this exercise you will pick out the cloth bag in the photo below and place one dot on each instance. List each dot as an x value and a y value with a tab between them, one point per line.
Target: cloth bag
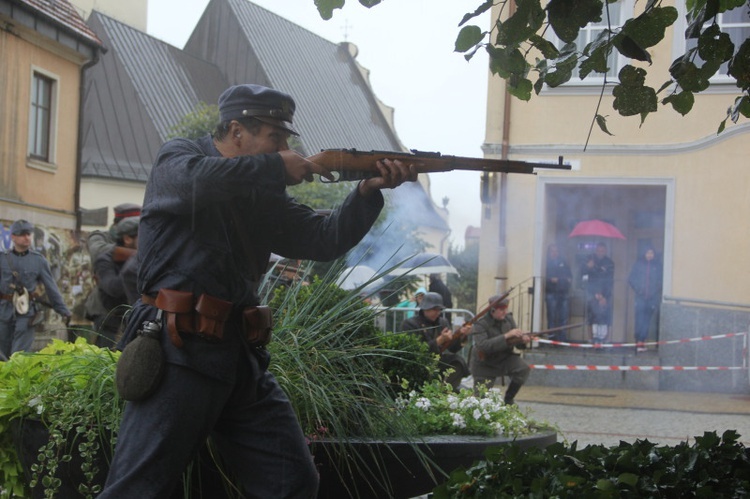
21	301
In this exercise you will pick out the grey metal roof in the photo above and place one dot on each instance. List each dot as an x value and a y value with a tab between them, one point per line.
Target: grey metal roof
140	89
143	86
336	107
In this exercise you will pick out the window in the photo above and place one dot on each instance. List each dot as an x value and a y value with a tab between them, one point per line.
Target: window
619	12
41	117
590	33
735	23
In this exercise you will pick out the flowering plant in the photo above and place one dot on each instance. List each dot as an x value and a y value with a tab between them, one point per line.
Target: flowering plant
437	410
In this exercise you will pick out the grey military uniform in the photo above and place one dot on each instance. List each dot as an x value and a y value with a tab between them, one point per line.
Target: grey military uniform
497	358
32	268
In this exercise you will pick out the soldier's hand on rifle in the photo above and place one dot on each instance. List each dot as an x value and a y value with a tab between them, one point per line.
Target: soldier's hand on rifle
392	174
516	336
446	335
463	331
299	169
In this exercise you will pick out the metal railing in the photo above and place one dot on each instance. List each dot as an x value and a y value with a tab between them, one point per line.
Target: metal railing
390	318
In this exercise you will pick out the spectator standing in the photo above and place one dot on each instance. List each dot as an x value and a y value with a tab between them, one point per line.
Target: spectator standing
646	281
556	292
599	314
598	277
494	338
22	269
414	303
438	286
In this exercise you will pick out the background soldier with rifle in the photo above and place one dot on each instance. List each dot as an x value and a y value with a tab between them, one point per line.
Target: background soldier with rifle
22	271
435	330
494	337
107	272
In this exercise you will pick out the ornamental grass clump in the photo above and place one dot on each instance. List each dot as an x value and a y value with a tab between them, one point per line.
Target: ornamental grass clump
437	410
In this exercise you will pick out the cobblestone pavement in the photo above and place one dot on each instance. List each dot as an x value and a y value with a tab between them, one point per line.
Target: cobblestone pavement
601	416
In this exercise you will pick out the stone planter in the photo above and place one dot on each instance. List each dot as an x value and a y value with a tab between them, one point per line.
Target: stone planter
379	469
29	435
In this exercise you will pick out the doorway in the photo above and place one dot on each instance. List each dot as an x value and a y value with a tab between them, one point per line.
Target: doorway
640	208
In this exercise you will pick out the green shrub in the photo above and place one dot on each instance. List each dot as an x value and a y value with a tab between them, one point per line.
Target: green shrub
407	362
713	467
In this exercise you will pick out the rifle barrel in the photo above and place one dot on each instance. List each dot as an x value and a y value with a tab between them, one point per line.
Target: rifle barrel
351	164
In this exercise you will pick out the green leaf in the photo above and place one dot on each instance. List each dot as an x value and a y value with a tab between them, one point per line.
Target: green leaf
326	7
597	62
369	3
688	76
739	66
604	484
468	37
681	102
487	5
713	45
601	121
547	48
632	97
649	28
628	479
507	62
525	22
567	17
520	88
630	48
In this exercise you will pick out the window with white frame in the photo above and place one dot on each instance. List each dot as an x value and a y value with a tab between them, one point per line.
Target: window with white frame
735	23
41	117
614	16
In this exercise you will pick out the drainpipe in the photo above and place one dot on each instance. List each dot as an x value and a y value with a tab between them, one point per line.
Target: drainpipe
501	282
79	165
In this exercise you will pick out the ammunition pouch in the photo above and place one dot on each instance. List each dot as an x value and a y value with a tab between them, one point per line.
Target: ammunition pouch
207	315
258	323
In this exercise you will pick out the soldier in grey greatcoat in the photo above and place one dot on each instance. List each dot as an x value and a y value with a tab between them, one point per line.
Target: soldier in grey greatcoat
494	338
23	268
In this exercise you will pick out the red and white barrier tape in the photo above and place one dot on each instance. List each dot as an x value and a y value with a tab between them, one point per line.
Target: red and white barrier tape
635	368
648	343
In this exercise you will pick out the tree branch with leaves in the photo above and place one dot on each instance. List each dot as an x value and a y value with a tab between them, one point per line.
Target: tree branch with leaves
521	50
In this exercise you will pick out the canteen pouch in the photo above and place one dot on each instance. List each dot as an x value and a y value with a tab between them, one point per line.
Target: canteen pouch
141	365
258	322
212	314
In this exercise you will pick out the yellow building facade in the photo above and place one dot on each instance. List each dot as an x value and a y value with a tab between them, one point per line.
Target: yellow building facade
671	183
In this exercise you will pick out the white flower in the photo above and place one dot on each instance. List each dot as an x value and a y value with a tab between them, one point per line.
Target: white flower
36	403
477	414
423	403
469	402
458	420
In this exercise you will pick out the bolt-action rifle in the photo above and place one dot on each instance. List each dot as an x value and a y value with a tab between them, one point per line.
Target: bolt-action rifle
545	332
351	164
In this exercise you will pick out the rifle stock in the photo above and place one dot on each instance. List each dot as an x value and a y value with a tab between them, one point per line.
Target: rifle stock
122	254
351	164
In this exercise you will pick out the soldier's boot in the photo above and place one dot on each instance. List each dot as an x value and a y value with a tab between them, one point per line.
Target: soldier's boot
510	393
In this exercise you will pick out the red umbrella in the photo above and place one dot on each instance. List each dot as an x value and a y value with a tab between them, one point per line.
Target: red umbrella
596	228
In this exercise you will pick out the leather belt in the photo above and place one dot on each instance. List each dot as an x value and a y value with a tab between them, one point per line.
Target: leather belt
206	315
6	297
